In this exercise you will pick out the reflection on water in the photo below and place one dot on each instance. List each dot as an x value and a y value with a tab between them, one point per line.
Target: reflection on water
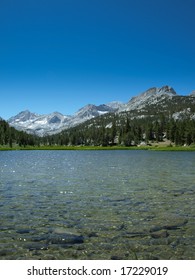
97	205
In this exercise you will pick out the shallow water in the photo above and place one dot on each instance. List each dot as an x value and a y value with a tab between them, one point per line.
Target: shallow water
97	205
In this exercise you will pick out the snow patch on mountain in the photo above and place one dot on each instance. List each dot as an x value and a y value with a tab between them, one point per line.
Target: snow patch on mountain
56	122
39	124
24	116
92	111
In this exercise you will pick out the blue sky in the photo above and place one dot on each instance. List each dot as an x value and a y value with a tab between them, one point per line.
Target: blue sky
59	55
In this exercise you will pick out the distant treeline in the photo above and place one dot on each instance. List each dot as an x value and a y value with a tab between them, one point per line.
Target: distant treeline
108	131
127	132
9	136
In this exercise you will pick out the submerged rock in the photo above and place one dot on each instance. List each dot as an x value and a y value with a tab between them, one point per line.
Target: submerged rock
176	225
135	234
160	234
36	246
169	224
23	231
66	238
92	234
42	237
61	236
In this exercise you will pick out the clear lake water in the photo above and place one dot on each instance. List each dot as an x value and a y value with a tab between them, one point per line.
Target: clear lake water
97	205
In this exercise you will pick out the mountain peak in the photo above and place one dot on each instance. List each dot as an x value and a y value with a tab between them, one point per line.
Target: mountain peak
90	111
150	96
56	122
192	93
167	89
23	116
150	91
163	90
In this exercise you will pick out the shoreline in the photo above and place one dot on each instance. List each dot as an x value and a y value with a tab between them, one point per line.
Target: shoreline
101	148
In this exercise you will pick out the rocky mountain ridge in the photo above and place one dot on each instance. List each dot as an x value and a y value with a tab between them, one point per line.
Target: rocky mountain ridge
151	96
55	122
155	98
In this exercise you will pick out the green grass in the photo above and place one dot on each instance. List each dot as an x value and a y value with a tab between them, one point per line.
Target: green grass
71	148
176	148
96	148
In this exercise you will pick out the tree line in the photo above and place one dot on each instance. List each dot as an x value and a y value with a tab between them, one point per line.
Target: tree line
108	130
9	136
115	130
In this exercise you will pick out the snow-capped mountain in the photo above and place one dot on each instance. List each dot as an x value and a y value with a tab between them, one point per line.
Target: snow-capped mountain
39	124
56	122
156	98
91	111
24	116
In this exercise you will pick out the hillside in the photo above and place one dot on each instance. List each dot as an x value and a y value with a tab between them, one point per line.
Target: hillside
156	115
153	101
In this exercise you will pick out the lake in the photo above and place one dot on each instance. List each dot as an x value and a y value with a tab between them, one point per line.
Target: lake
97	205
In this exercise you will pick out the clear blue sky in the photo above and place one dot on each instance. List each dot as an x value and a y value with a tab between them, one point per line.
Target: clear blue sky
59	55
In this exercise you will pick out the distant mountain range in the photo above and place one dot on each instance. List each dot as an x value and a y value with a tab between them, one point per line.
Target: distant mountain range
55	122
163	99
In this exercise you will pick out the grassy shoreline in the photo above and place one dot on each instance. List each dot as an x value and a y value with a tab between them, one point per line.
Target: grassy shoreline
98	148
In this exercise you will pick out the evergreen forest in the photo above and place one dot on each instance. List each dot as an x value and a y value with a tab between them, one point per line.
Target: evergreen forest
109	130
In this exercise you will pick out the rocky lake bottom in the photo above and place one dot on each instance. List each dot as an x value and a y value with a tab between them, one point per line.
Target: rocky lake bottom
97	205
